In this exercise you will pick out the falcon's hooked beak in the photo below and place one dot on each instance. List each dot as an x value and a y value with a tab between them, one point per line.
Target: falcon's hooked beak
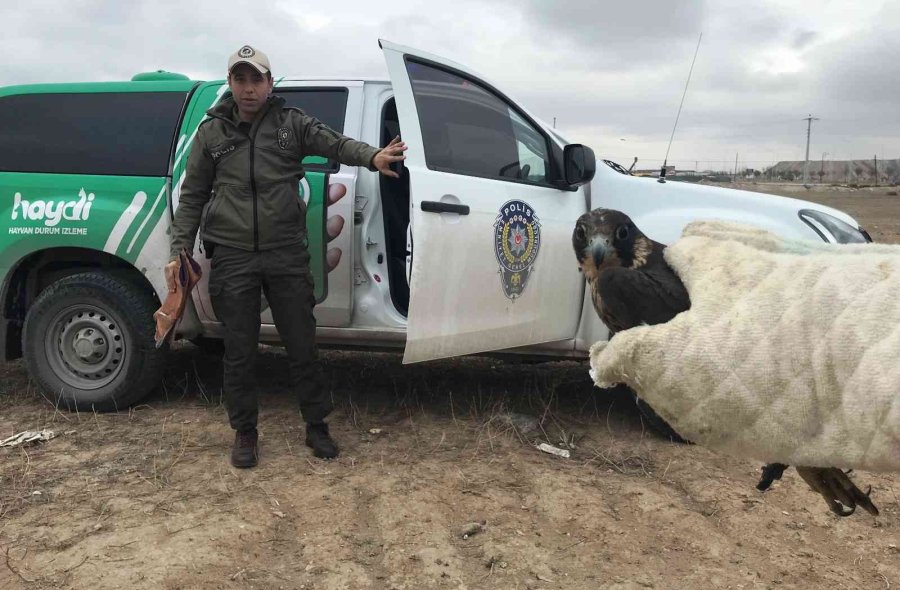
596	252
594	242
598	249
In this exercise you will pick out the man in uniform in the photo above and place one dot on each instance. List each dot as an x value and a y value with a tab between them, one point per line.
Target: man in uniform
241	191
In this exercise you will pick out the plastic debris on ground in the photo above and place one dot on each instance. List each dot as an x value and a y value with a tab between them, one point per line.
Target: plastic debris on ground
553	450
27	436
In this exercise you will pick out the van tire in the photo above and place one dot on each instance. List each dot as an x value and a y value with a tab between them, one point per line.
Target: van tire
88	341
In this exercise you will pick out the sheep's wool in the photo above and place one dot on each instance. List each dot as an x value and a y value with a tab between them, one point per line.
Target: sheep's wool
790	352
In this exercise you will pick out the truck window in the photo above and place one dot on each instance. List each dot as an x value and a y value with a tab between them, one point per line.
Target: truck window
328	105
469	129
112	133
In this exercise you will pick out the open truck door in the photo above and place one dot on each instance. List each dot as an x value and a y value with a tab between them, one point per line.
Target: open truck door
492	213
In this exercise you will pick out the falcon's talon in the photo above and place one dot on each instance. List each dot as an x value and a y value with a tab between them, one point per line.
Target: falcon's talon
839	509
840	493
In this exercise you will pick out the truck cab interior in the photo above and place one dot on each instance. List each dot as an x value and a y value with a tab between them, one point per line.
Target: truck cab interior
395	208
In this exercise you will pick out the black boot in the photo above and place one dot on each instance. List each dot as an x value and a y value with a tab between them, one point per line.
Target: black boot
320	442
245	452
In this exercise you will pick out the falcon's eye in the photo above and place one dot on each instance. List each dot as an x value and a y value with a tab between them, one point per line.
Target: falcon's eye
621	232
579	232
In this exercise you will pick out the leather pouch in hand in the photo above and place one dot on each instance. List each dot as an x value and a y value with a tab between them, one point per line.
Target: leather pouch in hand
168	315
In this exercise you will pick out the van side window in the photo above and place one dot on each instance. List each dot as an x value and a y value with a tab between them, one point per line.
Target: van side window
468	129
328	105
110	133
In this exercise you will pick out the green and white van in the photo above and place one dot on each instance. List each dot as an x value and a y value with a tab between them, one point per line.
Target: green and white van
468	252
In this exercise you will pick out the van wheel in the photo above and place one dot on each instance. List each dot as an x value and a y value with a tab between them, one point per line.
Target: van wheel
89	342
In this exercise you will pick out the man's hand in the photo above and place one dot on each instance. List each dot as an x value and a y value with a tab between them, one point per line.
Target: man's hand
171	272
393	152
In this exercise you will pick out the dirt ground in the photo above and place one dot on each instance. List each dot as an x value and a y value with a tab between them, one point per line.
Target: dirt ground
146	498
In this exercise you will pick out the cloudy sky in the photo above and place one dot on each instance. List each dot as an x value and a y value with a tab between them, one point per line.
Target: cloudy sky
611	73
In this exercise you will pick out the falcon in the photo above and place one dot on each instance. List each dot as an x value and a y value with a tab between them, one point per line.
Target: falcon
631	285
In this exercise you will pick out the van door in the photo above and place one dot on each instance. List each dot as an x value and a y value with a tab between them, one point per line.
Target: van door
491	222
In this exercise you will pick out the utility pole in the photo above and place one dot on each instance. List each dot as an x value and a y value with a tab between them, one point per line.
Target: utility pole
822	171
554	122
876	169
734	178
809	121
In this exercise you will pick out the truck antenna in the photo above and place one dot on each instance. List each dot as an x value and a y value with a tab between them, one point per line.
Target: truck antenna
662	171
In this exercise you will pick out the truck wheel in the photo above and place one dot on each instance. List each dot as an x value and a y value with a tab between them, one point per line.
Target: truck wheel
656	423
89	342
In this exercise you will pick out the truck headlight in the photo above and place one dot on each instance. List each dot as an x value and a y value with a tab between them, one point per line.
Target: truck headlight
832	229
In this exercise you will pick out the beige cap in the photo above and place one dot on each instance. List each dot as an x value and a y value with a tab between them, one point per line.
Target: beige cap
249	55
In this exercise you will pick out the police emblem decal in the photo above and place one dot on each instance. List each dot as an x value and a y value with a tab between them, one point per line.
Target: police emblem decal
246	51
517	241
284	137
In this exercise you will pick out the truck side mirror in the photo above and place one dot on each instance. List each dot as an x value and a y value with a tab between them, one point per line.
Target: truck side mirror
579	164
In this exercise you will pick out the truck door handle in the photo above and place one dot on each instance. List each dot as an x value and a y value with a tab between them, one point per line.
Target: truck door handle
440	207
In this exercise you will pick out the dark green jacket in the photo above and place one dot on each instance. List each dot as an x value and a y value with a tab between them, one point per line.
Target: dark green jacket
241	189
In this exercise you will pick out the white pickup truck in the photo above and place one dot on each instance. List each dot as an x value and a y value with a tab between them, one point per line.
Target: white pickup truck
468	252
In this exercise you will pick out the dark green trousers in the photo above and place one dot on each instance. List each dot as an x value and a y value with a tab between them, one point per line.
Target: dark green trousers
236	280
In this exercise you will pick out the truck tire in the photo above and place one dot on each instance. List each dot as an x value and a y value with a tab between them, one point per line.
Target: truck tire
88	341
